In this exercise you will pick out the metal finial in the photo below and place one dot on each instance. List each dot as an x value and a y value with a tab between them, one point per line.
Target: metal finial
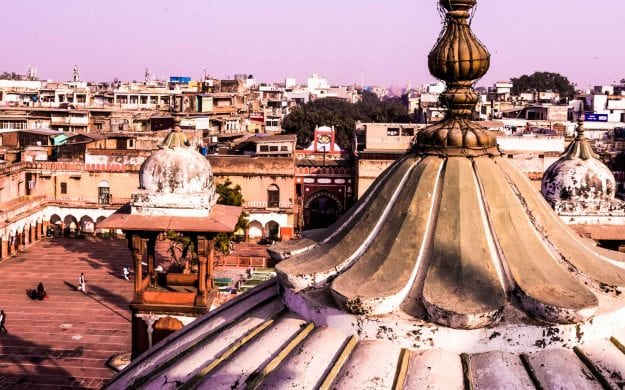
580	125
175	139
459	59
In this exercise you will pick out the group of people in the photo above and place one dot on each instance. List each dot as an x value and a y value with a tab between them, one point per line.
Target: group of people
39	293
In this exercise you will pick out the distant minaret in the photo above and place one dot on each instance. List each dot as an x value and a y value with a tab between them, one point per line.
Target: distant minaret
147	75
76	74
31	72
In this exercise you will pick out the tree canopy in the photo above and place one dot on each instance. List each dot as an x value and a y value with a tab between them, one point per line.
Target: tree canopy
230	196
343	116
544	81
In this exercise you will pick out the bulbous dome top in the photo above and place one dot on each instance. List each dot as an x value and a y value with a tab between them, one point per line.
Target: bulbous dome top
578	180
578	176
176	168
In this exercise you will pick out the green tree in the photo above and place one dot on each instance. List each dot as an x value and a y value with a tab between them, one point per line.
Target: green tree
343	116
544	81
230	196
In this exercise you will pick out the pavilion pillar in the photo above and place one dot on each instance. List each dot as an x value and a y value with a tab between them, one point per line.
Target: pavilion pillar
151	252
211	264
4	248
202	254
137	246
37	231
33	233
44	228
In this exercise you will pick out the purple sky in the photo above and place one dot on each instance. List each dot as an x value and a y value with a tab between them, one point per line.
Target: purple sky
274	39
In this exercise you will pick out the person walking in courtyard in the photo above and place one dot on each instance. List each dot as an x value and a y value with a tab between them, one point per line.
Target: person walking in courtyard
126	272
82	286
3	319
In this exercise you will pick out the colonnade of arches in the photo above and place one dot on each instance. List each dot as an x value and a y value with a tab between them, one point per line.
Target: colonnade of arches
270	230
18	236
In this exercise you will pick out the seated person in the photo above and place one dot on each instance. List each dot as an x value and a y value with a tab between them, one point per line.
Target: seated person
40	292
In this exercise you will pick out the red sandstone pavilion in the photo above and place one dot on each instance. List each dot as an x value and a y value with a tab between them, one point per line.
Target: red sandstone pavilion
176	194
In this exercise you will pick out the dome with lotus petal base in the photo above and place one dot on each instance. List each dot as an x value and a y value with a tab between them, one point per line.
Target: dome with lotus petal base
453	239
579	177
451	271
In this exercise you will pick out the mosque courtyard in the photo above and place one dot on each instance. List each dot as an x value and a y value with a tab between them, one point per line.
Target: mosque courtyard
66	340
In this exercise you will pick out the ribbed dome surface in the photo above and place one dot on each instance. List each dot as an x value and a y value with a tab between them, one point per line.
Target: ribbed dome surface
458	239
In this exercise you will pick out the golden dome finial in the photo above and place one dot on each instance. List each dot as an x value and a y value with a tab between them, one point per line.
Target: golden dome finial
459	59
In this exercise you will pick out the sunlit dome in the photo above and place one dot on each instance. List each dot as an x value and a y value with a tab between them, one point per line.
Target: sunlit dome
578	176
176	168
175	180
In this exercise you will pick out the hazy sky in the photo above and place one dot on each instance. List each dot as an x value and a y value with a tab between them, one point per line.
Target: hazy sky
273	39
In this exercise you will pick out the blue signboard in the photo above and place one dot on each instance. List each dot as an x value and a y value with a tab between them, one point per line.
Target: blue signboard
589	117
180	79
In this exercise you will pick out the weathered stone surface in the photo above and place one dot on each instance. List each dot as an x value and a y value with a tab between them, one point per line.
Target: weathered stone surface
607	361
305	367
234	372
549	292
182	368
434	369
382	278
498	370
188	336
560	369
580	258
181	170
462	288
372	365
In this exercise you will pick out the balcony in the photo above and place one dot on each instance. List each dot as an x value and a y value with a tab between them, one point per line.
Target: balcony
69	121
265	205
87	200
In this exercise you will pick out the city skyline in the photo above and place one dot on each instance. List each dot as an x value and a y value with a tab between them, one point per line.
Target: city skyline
275	39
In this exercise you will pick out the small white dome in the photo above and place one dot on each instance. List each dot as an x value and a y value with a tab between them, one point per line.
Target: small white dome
578	180
176	168
179	170
578	176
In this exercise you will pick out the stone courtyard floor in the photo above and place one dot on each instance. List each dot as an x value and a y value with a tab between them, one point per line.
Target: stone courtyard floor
66	340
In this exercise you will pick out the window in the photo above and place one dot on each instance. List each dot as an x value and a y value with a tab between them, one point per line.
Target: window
273	197
264	148
407	132
98	126
284	148
392	132
131	143
273	148
63	188
104	192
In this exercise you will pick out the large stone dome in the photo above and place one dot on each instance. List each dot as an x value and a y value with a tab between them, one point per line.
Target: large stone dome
180	170
175	180
578	176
